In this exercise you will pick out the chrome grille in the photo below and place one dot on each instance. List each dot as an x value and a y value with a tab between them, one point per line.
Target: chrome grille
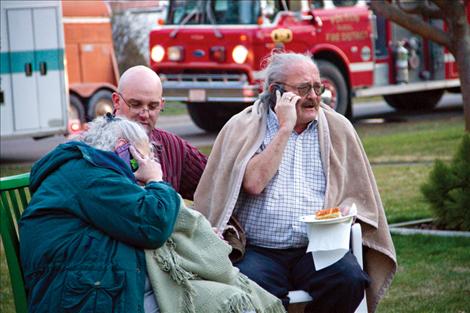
203	77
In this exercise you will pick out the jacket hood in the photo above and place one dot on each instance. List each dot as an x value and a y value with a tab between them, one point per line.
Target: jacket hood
72	150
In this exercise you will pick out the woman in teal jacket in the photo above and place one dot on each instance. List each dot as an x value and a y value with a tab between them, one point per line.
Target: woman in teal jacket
82	236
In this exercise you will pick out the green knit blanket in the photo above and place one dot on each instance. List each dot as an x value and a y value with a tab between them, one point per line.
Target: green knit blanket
192	273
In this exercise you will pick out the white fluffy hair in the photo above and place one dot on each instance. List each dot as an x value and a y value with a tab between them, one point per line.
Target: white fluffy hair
104	133
278	65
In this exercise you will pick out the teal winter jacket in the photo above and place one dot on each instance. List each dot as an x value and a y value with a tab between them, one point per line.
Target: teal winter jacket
83	235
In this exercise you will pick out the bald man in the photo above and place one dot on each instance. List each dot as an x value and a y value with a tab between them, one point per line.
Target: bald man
139	98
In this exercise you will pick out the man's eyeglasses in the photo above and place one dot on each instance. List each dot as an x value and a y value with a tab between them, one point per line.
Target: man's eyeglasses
138	106
305	89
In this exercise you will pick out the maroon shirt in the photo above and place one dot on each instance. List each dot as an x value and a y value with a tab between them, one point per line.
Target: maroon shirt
182	164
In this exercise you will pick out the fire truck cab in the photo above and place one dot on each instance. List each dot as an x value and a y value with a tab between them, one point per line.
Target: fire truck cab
209	54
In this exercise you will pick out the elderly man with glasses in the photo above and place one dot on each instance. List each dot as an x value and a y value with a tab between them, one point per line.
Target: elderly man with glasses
287	156
139	98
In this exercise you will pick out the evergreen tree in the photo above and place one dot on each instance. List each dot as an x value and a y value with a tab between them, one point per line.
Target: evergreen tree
448	189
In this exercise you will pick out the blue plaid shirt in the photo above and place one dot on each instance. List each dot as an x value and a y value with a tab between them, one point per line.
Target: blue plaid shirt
297	189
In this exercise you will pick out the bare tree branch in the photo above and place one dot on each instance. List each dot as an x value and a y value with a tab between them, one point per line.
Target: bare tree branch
414	10
456	38
441	4
413	23
431	12
450	7
422	8
455	17
459	35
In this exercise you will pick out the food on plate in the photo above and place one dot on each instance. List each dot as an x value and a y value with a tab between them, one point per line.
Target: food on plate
327	213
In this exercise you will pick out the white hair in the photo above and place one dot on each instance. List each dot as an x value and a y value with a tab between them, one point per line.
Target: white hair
104	132
277	67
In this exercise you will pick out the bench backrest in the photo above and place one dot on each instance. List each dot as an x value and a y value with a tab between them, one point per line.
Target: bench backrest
14	199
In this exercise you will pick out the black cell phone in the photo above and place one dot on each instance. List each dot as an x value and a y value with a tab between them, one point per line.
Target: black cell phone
125	154
272	99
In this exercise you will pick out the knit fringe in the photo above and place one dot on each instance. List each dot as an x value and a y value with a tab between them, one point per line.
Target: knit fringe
188	297
275	308
169	263
244	283
242	303
239	303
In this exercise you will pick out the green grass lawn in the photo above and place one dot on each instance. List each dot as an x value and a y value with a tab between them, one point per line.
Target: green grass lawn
174	108
6	295
433	273
399	188
433	276
402	155
410	142
8	169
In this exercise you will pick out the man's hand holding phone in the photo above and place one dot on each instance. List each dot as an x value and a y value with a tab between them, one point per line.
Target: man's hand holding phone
149	169
285	109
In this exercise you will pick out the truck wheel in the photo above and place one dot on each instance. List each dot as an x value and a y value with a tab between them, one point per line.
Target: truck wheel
212	116
415	101
100	103
334	81
75	109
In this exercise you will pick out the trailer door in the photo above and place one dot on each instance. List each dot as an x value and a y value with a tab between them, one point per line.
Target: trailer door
36	69
49	66
23	80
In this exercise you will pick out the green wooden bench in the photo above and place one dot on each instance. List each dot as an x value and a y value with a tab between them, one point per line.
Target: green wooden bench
14	199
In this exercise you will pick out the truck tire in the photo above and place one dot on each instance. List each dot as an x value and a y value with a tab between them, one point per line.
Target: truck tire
333	79
76	109
415	101
100	103
212	116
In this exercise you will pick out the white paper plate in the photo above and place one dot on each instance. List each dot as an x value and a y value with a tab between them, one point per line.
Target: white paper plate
312	219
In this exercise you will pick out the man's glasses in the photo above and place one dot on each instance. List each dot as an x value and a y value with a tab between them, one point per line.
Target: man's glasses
138	107
305	89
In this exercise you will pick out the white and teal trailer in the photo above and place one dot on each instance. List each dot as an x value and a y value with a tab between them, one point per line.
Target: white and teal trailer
33	86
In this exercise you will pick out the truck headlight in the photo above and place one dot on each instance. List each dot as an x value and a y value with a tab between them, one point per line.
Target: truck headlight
157	53
239	54
175	53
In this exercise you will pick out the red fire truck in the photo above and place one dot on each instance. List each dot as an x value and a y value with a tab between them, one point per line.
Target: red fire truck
209	54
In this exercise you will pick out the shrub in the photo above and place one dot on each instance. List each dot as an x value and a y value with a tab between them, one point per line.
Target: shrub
448	189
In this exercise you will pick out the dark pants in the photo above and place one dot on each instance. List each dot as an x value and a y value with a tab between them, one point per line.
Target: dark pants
337	288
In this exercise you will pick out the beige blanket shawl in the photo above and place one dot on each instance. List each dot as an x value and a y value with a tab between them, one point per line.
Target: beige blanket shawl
349	179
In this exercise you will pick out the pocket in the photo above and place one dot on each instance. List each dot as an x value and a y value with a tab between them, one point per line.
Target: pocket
93	291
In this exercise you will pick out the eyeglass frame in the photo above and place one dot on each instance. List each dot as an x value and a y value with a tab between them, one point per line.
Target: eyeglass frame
311	86
160	105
